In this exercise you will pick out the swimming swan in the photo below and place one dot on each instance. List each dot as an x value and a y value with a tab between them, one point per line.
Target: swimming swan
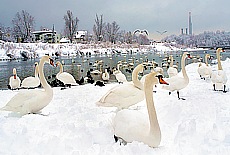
125	95
219	78
132	125
32	82
204	69
105	76
177	82
14	81
65	77
33	100
172	71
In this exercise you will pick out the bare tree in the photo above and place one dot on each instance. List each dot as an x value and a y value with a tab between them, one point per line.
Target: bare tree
98	28
71	25
111	31
23	25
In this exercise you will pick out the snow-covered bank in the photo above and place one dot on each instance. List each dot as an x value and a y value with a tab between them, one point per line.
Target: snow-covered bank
75	125
10	50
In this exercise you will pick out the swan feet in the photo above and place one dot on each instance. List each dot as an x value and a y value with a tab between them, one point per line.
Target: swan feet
40	113
179	98
224	91
122	141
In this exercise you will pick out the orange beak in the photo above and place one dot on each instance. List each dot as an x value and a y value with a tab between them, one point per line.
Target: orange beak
161	81
52	62
189	56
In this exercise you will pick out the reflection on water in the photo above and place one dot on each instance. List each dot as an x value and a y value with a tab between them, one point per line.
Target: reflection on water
78	66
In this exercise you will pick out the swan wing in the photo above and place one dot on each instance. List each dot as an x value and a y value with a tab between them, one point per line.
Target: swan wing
172	71
122	96
66	78
175	83
121	77
20	99
31	82
14	83
131	125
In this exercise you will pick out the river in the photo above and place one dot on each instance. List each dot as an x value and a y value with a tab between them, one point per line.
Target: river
78	66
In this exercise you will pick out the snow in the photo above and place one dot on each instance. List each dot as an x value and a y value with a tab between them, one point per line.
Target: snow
72	124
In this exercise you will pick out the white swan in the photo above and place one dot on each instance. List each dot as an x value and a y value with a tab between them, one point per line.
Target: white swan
105	76
132	125
121	78
33	100
172	71
32	82
123	96
204	69
177	82
65	77
14	81
219	78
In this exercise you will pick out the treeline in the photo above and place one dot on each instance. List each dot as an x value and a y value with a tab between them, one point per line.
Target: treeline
23	26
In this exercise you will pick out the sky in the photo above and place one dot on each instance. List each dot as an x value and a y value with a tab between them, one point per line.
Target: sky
152	15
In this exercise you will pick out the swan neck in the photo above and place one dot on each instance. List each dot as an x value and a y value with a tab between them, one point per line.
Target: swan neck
154	125
43	81
135	79
118	67
61	68
218	60
206	60
171	62
183	66
36	71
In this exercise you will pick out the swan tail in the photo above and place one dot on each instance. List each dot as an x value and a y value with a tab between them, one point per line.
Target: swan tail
6	108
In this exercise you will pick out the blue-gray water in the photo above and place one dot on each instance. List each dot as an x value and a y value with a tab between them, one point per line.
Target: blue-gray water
71	65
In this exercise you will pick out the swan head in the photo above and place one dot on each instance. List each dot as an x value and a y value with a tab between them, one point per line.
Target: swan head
51	61
157	78
58	63
161	80
219	50
35	64
187	55
14	71
48	59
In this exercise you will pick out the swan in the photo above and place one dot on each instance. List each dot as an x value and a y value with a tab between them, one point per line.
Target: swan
204	69
132	125
32	82
172	71
34	100
123	96
121	78
219	78
14	81
105	76
65	77
177	82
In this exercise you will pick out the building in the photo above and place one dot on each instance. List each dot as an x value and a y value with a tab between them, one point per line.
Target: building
46	35
81	35
190	23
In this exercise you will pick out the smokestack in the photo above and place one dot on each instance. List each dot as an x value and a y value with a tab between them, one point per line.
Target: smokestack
190	23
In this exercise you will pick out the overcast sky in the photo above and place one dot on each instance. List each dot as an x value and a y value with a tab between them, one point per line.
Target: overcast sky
153	15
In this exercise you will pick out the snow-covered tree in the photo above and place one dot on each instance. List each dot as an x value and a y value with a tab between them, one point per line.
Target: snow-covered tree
23	26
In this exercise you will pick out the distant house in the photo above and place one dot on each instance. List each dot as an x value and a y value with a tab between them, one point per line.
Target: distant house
81	35
46	35
64	40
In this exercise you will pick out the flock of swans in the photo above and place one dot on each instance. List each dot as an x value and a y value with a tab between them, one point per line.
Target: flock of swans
143	129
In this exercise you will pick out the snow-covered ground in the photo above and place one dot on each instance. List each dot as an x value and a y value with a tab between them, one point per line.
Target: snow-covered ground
74	125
